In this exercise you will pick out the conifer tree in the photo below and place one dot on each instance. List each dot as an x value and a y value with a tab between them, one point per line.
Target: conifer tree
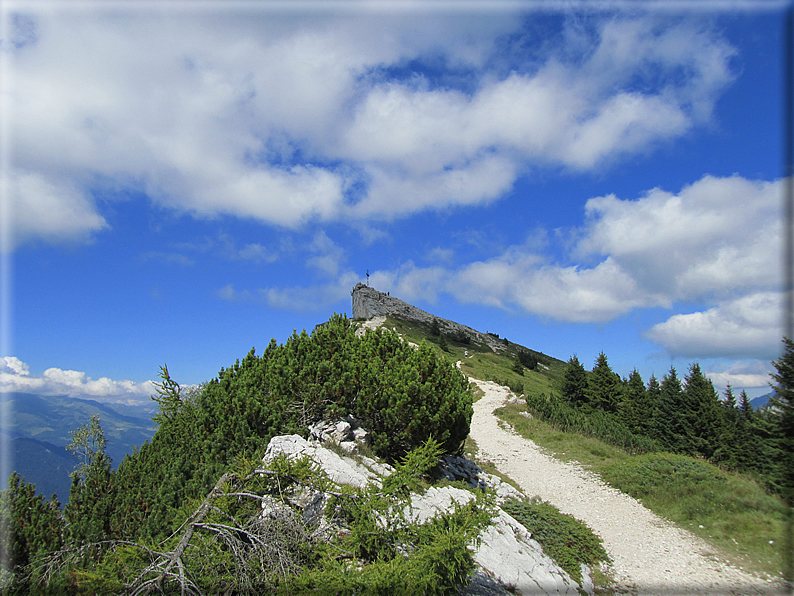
442	343
700	409
728	451
635	411
90	507
729	405
32	527
783	401
435	328
518	368
604	387
745	407
574	383
668	423
747	452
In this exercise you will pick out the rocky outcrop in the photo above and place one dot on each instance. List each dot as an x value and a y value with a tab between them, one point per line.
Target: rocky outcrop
369	302
505	553
346	432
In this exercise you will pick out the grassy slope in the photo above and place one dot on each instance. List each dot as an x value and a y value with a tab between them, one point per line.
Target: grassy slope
742	522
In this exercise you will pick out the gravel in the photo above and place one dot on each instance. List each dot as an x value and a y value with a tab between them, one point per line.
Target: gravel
649	554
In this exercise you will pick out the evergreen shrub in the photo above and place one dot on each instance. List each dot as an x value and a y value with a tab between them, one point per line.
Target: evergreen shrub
405	395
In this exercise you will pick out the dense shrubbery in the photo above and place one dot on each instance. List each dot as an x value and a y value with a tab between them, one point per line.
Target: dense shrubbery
32	528
227	546
406	396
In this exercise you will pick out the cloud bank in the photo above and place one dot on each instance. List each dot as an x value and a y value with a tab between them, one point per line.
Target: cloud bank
15	376
287	120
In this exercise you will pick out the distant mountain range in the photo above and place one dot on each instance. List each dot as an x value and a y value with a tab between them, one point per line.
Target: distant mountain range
40	427
761	400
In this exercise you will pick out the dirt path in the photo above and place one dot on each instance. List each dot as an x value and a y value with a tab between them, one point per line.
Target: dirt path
650	555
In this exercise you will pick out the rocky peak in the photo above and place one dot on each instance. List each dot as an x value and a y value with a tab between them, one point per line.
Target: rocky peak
369	302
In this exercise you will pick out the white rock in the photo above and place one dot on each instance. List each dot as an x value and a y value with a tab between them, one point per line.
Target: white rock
435	501
349	446
362	435
508	553
343	431
505	550
339	470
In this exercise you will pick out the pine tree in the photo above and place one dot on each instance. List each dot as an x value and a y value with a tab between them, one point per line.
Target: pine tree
783	401
435	328
745	407
747	451
90	501
729	405
442	343
728	452
518	368
574	383
31	527
652	395
635	411
604	387
668	422
701	414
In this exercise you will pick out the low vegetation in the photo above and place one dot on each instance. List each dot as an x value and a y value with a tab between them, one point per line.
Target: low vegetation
563	537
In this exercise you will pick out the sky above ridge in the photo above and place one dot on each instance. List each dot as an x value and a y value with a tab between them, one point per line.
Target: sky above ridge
186	181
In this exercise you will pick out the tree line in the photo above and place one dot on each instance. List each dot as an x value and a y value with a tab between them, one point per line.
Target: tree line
684	416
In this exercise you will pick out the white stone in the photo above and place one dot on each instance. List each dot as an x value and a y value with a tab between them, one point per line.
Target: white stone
508	553
436	501
505	550
341	471
343	431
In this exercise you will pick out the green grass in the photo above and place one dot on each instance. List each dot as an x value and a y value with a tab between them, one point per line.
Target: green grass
738	518
482	362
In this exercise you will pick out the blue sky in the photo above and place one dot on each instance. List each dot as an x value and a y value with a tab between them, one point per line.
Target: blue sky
186	182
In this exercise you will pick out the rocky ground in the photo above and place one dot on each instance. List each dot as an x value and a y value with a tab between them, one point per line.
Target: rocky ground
649	554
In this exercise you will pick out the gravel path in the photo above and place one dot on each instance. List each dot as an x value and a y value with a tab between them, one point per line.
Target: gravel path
650	555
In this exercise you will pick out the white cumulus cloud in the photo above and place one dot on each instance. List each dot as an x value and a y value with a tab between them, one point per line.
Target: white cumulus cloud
287	118
751	324
15	376
716	242
52	209
742	374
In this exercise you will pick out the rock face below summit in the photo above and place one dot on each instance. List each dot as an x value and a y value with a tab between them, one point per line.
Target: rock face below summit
369	302
506	554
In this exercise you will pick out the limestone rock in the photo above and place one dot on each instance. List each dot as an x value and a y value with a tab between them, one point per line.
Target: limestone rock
505	553
340	470
347	433
508	553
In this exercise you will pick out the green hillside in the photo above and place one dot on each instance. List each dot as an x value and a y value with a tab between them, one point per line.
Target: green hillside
485	364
